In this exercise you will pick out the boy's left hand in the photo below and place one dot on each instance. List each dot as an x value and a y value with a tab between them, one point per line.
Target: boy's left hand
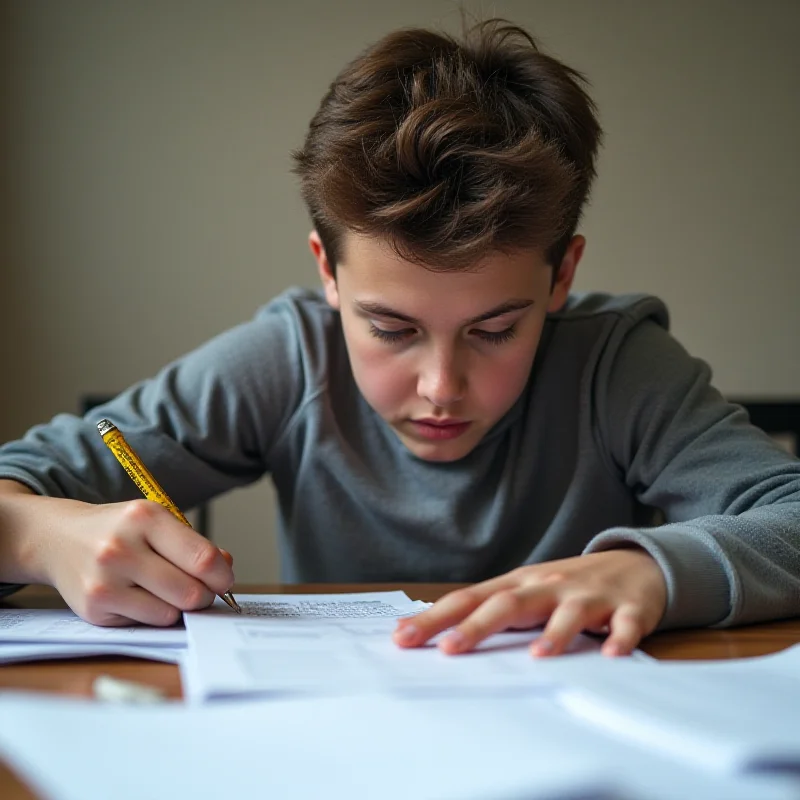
621	591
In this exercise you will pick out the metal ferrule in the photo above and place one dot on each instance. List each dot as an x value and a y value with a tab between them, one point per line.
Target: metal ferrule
104	426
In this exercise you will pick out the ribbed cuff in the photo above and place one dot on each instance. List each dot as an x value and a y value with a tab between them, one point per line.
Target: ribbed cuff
698	587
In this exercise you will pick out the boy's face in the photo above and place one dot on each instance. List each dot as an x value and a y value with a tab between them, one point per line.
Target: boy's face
441	356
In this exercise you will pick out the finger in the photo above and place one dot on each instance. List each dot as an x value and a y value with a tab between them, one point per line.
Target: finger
568	619
165	581
626	631
116	621
129	605
227	556
448	611
103	619
189	551
141	606
509	608
599	630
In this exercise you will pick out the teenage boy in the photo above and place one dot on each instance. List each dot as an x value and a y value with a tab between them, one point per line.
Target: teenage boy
445	410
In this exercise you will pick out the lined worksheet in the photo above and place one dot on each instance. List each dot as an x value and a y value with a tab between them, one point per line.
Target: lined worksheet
332	644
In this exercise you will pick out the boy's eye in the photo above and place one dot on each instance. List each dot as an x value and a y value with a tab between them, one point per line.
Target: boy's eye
390	337
395	337
496	337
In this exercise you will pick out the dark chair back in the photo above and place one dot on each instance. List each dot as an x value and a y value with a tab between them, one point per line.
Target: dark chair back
778	418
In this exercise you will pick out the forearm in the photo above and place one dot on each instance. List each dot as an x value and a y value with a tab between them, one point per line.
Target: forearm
724	569
731	496
20	548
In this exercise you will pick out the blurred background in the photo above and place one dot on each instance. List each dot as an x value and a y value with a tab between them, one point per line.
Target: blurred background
146	201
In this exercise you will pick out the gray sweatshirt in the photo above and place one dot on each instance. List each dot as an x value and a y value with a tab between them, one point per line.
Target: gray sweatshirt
617	422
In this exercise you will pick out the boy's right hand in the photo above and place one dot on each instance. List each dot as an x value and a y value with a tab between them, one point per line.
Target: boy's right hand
113	564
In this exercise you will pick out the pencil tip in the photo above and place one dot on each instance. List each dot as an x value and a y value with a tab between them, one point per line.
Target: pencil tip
231	601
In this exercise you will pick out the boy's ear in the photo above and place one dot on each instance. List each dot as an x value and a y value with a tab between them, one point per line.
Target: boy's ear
325	272
566	273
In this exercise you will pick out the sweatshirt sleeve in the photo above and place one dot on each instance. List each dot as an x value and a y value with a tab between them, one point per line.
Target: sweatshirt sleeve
730	548
205	424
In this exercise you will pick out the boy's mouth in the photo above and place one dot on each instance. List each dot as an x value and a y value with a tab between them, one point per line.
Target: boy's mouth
439	429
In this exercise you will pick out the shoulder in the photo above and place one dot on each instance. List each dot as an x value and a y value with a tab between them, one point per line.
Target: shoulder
591	328
282	352
260	374
303	331
292	325
633	367
298	307
600	310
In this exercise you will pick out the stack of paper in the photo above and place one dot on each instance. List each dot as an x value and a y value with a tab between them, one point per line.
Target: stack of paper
39	634
729	716
355	748
314	700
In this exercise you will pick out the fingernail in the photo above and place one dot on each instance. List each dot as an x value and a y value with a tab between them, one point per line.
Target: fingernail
542	647
454	642
406	634
612	650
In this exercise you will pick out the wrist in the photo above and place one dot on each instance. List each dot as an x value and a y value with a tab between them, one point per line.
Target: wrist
22	550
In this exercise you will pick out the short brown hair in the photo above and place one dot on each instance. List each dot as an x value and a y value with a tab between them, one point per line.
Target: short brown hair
450	149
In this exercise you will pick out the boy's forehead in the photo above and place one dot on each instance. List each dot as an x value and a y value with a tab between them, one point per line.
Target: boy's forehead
372	276
373	257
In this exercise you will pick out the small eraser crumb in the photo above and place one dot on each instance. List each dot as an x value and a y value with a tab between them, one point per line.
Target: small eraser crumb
114	690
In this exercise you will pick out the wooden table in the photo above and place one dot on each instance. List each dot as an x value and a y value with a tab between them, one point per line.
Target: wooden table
76	676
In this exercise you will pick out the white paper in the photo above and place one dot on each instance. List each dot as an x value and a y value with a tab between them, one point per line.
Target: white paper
733	715
250	655
64	626
11	653
358	748
191	681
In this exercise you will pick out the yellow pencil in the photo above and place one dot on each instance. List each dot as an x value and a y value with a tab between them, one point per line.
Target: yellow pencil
144	479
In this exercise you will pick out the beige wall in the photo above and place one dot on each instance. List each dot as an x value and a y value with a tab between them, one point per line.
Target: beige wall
147	202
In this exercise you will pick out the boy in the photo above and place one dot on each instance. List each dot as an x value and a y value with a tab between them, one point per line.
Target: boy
447	411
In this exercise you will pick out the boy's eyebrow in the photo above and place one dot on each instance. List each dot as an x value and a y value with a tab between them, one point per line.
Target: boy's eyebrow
380	310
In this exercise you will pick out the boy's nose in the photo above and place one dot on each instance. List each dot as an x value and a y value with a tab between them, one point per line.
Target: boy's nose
441	384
